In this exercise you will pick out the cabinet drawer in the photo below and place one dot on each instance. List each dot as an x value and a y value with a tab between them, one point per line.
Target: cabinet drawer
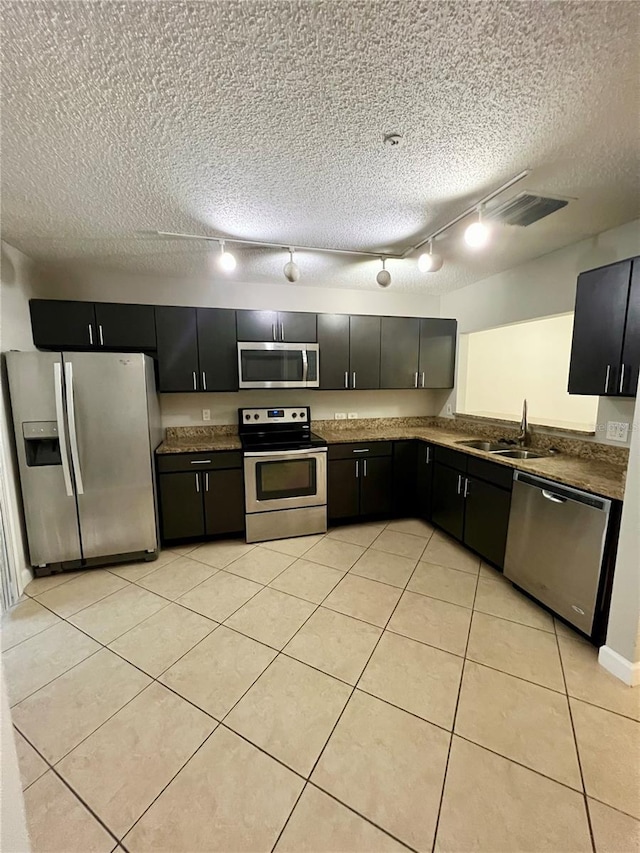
452	458
360	448
199	461
499	475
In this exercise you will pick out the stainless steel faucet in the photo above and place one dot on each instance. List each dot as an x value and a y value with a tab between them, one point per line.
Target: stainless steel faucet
524	435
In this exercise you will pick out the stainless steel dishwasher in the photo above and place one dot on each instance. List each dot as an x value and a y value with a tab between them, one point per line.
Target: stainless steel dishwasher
556	545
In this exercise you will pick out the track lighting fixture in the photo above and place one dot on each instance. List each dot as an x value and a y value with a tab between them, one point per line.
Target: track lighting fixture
384	276
226	260
430	261
291	269
477	234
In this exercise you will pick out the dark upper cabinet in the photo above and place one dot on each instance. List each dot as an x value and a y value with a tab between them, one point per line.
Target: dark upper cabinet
424	480
399	351
333	341
181	512
287	326
630	368
297	327
436	366
486	519
599	330
376	485
177	342
125	327
405	469
343	488
364	352
223	501
217	350
448	499
58	324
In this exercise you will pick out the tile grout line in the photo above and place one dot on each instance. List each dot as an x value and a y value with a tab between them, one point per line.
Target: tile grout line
575	741
453	722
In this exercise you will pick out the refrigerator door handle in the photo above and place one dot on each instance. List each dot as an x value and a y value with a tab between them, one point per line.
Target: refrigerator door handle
62	435
71	419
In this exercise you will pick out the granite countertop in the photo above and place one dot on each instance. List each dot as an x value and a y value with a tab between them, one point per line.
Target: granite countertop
598	469
593	475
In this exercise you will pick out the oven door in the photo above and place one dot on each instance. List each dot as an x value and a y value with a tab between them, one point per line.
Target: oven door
278	365
285	480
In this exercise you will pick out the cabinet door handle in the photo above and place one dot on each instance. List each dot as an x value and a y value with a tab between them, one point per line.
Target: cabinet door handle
100	335
353	379
357	468
197	476
459	483
606	379
90	334
466	487
422	382
621	379
428	457
195	381
415	380
204	380
346	379
282	331
364	467
206	481
273	331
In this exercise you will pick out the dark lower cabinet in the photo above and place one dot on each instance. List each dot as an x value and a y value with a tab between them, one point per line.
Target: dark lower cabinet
343	488
201	494
424	480
486	519
376	485
405	478
223	501
448	500
181	512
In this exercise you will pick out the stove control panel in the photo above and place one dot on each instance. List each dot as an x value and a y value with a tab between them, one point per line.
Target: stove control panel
288	415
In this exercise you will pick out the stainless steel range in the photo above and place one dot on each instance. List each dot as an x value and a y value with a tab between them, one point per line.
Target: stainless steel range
285	473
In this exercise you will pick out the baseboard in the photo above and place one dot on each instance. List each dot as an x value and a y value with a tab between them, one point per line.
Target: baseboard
26	576
619	666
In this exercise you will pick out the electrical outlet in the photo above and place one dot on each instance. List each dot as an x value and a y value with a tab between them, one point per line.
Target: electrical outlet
340	416
206	414
617	430
449	409
352	416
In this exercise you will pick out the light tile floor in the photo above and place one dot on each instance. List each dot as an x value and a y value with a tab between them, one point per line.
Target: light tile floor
375	689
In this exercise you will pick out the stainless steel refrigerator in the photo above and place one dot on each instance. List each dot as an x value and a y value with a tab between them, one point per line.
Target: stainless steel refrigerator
86	427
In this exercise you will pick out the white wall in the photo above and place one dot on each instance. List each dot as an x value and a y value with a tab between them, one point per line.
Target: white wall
529	359
542	288
16	287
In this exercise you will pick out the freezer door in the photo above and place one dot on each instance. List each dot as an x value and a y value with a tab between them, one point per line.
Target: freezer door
37	403
110	448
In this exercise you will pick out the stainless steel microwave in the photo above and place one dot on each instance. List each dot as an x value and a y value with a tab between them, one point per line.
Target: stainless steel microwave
278	365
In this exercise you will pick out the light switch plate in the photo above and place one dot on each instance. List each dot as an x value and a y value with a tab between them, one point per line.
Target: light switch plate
340	416
617	430
352	416
206	414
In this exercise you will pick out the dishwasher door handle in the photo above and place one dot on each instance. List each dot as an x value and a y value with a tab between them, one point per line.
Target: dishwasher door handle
556	499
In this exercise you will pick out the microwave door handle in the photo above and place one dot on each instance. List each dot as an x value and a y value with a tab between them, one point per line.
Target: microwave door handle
305	366
71	420
62	434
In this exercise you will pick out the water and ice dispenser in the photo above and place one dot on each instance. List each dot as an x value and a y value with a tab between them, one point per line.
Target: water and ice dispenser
41	443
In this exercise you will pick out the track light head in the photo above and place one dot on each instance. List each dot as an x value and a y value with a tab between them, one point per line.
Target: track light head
384	276
291	269
477	234
430	261
226	260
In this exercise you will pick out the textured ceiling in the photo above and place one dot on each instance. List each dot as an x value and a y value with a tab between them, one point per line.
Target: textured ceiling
265	120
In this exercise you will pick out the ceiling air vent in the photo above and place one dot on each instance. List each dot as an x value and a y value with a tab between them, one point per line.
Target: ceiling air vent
525	209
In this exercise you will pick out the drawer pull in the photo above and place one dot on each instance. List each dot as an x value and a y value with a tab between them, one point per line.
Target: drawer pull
366	450
201	462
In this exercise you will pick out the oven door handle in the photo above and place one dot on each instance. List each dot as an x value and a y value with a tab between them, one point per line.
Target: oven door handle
285	454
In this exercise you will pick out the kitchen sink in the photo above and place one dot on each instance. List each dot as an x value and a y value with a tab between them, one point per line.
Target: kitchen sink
521	454
480	444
